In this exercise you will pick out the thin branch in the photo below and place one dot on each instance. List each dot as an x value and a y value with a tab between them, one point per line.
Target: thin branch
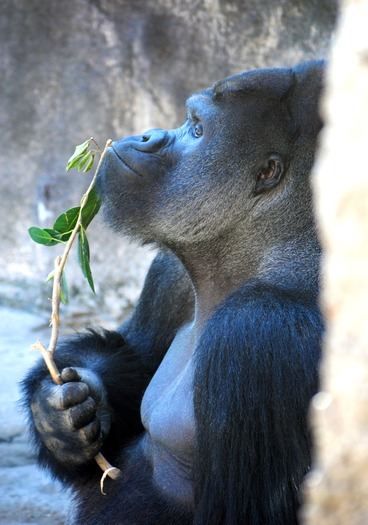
48	353
48	358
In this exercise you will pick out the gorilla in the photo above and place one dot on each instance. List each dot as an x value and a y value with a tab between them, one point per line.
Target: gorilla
201	397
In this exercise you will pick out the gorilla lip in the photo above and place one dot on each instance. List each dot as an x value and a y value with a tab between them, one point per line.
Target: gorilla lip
125	165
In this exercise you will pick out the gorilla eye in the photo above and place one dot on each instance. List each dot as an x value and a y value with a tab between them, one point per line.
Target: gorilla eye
198	130
267	172
270	174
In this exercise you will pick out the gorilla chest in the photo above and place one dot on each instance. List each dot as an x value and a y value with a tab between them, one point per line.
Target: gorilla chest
168	416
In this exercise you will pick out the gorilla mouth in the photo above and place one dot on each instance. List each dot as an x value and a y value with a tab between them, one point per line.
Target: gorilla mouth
126	166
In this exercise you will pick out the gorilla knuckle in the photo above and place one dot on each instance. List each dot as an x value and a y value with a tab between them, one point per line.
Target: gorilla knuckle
71	394
83	413
91	432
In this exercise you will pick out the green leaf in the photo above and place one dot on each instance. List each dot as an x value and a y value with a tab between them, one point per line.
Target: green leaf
83	257
64	292
90	208
90	162
47	236
50	276
79	152
66	222
55	234
73	163
84	159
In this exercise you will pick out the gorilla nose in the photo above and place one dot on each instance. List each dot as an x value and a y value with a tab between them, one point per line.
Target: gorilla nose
153	140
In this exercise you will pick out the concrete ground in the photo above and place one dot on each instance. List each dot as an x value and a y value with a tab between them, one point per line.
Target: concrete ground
27	495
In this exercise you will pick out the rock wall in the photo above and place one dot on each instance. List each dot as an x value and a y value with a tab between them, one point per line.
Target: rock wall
110	68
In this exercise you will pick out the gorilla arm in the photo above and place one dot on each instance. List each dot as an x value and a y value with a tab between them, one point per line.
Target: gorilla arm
256	370
105	374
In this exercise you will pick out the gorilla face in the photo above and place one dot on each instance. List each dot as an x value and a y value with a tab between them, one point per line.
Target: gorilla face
242	157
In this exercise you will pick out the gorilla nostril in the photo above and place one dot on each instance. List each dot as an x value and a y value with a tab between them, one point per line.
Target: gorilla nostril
152	141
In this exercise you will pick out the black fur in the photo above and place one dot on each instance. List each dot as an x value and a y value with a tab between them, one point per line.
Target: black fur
257	360
130	499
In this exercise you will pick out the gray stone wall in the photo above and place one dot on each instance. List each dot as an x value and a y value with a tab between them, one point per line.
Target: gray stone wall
108	68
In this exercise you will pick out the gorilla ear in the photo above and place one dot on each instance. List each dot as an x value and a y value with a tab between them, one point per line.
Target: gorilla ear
270	174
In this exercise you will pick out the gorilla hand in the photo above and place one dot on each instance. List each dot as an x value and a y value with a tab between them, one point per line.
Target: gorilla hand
73	419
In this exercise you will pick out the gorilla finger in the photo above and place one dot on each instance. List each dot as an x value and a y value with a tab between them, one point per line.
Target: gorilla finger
91	432
80	456
68	395
71	454
93	381
82	414
70	374
93	449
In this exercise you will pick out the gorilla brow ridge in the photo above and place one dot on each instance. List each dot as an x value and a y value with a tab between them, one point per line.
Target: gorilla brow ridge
192	102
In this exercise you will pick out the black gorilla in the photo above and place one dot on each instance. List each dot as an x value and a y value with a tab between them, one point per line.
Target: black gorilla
201	397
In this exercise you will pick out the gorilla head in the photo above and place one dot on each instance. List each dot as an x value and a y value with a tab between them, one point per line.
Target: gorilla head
234	176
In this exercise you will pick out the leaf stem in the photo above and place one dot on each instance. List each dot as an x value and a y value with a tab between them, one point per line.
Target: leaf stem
98	147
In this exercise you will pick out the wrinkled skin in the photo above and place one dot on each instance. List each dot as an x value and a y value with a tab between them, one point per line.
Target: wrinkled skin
201	397
74	416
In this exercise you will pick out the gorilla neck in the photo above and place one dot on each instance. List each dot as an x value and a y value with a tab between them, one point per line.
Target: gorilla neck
216	269
220	267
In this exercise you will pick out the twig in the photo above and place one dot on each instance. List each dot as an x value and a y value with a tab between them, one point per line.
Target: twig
49	360
48	353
